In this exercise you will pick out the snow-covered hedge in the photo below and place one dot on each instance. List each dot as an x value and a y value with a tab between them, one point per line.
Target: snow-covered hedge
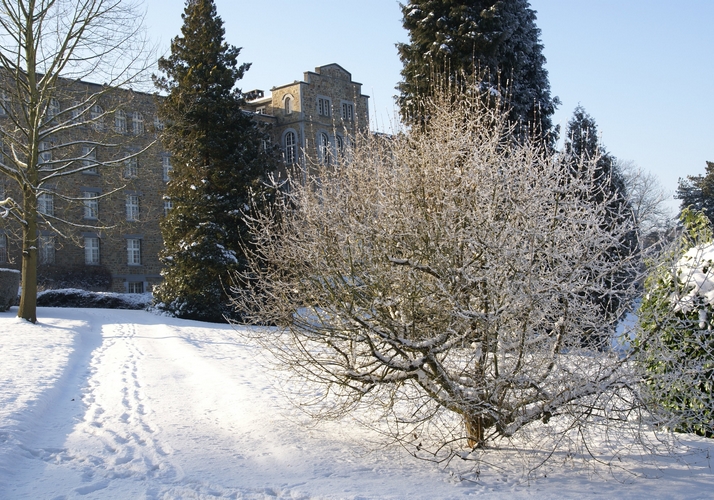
676	337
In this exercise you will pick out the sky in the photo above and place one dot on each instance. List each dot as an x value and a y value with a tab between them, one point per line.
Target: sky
643	69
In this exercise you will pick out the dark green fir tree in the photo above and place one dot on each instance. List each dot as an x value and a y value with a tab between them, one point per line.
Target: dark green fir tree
219	162
582	145
697	192
496	41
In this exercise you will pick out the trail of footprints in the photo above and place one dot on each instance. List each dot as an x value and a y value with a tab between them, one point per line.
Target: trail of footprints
117	438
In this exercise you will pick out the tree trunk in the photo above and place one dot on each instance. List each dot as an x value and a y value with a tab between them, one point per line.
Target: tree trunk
475	429
28	296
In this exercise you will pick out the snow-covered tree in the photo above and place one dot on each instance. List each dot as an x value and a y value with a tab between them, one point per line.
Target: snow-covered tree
647	198
582	146
676	337
48	50
492	40
219	161
444	276
697	192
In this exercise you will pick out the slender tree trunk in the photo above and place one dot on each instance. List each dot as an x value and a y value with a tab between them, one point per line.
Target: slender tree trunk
28	297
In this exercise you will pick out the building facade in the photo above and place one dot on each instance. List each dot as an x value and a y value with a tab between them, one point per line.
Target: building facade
99	225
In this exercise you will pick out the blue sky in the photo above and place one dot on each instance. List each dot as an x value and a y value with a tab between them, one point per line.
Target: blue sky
644	69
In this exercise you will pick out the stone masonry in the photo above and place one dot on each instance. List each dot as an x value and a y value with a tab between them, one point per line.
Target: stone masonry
115	142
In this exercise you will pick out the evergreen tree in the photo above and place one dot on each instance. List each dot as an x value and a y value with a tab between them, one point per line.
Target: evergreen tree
219	162
494	40
697	192
582	146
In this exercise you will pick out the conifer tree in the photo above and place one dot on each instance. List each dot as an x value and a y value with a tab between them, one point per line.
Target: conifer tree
219	160
697	192
582	146
494	40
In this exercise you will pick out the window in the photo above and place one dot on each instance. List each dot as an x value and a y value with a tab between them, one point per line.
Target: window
133	251
45	152
4	103
132	207
91	250
166	167
347	111
168	205
323	106
46	204
340	145
131	167
47	249
91	204
260	110
290	148
77	112
53	109
158	124
288	105
137	123
135	287
3	248
89	160
324	148
120	121
96	114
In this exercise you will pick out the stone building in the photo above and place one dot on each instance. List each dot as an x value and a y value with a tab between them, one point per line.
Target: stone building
316	117
108	211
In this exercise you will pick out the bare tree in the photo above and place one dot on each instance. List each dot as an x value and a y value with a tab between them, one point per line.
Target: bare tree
647	198
47	49
447	274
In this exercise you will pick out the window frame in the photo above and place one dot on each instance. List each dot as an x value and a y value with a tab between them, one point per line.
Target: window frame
90	205
131	167
324	106
290	149
46	254
133	251
120	121
46	204
132	207
137	123
4	256
166	168
92	253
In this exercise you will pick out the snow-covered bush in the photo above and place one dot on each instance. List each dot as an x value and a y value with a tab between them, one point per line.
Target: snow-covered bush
676	337
447	275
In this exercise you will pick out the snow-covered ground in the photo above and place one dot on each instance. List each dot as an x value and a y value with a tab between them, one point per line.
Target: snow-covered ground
117	404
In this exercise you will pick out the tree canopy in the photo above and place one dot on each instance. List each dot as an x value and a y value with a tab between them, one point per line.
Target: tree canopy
493	41
219	156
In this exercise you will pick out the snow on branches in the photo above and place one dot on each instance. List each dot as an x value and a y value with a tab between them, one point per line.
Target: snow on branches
447	275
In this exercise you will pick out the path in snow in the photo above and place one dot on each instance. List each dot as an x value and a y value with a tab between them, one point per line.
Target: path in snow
125	404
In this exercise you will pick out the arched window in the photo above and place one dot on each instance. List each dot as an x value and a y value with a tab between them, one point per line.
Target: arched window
137	123
53	109
288	105
290	148
340	145
120	121
324	148
96	115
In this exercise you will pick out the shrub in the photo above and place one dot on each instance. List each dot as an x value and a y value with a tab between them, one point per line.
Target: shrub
675	338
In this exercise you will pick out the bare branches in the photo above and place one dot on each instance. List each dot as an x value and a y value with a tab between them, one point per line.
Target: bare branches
49	51
449	271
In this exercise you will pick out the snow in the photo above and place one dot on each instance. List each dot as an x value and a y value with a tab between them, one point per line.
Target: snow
125	404
695	269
